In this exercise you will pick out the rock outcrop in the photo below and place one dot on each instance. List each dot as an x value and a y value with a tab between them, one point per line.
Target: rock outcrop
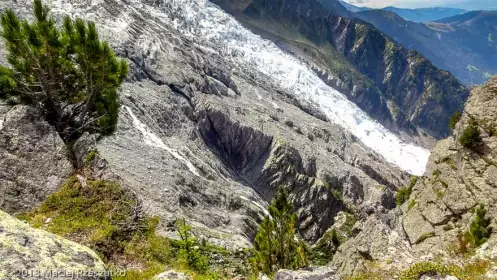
457	178
33	159
430	224
27	253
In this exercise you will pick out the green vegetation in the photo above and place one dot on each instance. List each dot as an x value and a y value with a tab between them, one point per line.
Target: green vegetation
88	159
189	248
276	245
112	222
411	205
419	269
403	194
479	230
436	173
470	137
478	233
67	72
454	119
322	252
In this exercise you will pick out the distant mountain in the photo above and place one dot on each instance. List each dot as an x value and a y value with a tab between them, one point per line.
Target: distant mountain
425	14
415	15
464	44
398	87
353	8
337	7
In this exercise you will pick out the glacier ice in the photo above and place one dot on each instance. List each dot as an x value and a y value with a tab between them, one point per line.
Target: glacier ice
215	31
222	33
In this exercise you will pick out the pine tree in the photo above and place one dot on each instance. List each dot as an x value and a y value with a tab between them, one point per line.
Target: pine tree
470	137
480	230
276	245
67	72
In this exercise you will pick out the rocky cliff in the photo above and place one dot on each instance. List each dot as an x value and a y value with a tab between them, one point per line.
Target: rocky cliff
430	226
398	87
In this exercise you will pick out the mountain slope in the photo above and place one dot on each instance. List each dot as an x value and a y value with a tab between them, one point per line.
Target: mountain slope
425	14
463	44
417	94
212	120
337	7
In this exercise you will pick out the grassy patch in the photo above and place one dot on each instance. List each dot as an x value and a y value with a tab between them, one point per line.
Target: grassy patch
422	268
111	221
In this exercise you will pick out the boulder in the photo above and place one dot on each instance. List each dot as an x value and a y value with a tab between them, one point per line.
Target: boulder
33	160
28	253
172	275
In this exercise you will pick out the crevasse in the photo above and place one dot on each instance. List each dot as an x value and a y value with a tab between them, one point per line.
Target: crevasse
217	31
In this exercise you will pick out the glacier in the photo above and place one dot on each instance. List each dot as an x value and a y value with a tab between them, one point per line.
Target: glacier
215	31
218	31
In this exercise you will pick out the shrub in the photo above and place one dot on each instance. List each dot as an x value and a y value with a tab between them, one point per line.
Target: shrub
276	245
454	119
67	72
334	238
189	248
403	194
99	214
479	230
470	137
112	221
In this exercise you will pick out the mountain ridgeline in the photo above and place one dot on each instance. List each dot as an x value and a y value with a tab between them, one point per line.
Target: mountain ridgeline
398	87
462	44
415	15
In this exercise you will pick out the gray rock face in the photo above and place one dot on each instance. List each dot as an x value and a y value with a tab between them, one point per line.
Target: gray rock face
456	179
441	205
200	138
311	273
27	253
380	238
33	159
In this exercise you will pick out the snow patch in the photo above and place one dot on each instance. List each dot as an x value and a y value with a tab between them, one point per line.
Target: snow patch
153	140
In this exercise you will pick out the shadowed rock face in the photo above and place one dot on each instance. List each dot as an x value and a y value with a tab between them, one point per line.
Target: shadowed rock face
33	159
24	250
200	138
